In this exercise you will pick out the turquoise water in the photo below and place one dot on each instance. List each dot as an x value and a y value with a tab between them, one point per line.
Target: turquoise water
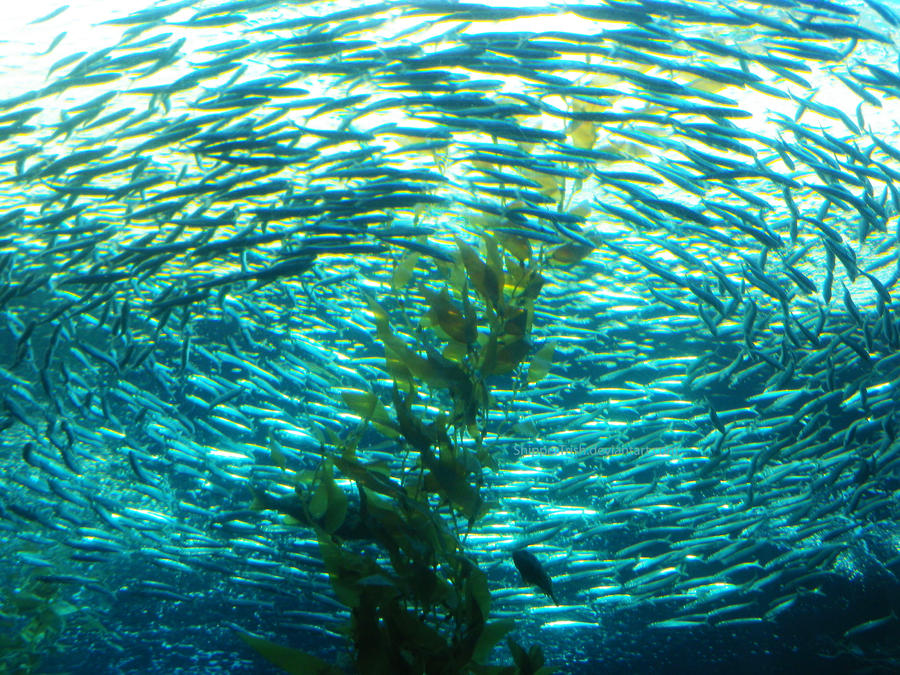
633	266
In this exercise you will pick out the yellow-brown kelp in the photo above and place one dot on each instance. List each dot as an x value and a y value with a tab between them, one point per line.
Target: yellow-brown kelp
427	611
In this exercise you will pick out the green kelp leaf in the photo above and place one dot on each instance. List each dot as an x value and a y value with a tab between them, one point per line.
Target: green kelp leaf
452	319
583	134
432	536
509	356
516	324
379	314
412	633
455	352
451	481
488	359
366	405
520	658
518	246
479	592
318	503
484	278
395	350
568	254
360	402
549	183
530	663
328	504
373	475
411	427
493	632
276	452
533	285
495	265
345	569
541	362
403	270
536	656
375	650
428	587
337	504
291	660
387	522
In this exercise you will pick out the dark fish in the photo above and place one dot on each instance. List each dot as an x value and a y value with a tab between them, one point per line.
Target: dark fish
533	573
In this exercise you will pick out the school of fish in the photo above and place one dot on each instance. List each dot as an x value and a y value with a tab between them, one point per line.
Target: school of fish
188	225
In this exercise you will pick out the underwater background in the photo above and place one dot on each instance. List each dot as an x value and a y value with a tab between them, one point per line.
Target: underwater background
449	337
